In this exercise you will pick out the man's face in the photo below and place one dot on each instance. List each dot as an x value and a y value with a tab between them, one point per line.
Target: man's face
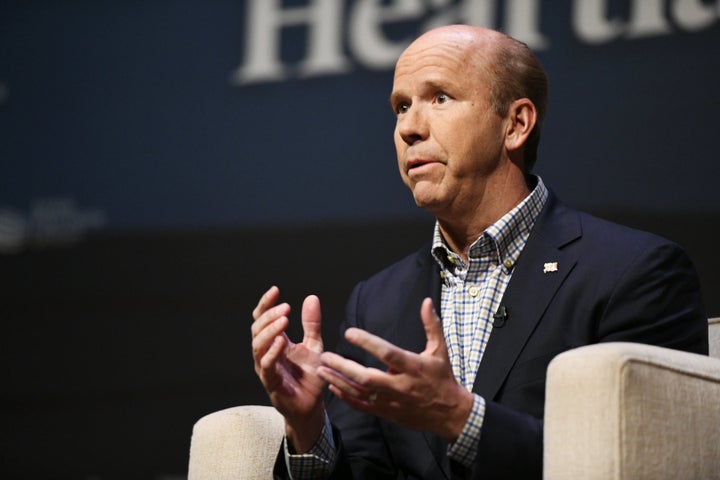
447	138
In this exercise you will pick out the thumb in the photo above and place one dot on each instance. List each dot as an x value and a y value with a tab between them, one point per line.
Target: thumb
311	322
433	329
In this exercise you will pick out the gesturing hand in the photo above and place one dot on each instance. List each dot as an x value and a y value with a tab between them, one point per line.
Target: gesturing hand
418	391
288	370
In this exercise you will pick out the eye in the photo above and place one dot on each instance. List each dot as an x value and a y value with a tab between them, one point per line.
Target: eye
442	98
402	107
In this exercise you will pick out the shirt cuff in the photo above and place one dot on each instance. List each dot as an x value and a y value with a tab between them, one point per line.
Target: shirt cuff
318	462
465	448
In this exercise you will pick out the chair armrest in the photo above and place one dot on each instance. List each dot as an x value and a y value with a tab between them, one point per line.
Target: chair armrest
714	336
631	411
238	443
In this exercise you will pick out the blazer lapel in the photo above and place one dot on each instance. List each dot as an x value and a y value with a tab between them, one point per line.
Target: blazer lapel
530	290
411	334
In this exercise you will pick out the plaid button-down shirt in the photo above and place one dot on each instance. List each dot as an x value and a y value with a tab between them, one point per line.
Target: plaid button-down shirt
471	295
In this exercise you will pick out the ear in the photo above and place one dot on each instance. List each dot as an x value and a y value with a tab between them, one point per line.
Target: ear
521	116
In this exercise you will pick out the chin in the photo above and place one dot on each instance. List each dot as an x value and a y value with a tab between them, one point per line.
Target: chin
430	204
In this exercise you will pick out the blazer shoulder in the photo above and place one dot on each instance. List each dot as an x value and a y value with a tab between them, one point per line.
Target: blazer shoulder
563	225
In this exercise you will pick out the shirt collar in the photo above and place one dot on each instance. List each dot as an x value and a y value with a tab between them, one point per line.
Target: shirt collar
507	235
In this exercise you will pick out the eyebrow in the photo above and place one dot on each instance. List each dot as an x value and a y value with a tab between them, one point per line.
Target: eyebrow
426	86
394	98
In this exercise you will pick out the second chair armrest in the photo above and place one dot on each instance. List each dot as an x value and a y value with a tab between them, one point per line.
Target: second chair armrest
631	411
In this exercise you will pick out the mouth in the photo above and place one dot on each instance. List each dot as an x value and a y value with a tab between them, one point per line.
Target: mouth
417	163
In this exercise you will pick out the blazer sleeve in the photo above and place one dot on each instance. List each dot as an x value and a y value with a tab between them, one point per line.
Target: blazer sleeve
657	301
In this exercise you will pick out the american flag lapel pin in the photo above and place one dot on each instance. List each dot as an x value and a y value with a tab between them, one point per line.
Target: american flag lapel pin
550	267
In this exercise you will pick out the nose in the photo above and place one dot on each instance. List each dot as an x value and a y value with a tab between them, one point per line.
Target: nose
412	125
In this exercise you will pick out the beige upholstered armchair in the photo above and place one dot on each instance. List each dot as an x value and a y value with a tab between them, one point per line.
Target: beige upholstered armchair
618	411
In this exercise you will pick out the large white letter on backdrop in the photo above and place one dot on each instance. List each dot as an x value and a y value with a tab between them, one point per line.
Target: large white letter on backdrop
264	23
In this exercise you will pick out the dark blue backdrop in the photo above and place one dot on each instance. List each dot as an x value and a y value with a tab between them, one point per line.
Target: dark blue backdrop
128	109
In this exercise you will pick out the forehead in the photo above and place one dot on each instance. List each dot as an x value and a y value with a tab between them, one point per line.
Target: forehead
440	62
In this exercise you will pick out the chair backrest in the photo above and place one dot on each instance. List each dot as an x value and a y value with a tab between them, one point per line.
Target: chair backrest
714	336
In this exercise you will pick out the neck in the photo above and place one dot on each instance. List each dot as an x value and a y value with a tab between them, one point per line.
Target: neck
460	230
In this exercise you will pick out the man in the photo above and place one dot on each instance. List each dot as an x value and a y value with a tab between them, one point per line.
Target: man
441	369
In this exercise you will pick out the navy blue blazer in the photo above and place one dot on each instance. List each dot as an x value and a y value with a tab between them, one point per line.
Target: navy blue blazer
612	283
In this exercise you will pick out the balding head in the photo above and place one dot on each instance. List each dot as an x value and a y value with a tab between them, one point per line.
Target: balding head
508	66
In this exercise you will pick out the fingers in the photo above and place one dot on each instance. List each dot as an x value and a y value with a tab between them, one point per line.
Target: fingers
262	342
357	380
267	362
364	403
418	390
268	329
267	312
350	380
311	322
268	299
270	324
394	357
433	329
